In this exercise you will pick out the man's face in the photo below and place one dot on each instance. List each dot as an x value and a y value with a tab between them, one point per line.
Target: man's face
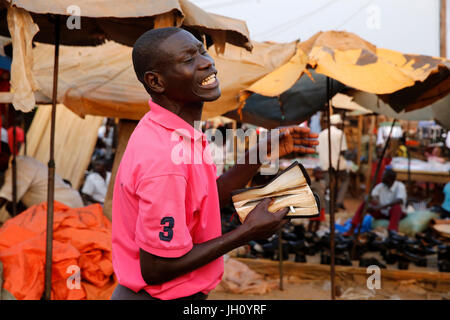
388	180
189	74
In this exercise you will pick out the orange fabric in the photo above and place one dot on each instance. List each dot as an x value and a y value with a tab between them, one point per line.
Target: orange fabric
82	237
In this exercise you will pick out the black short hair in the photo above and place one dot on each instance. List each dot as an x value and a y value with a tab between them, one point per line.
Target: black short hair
389	173
146	54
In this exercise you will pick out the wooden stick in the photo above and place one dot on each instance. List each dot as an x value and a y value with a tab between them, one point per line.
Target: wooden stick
51	172
332	181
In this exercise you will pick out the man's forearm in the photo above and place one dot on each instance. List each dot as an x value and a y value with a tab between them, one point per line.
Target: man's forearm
397	201
236	178
156	270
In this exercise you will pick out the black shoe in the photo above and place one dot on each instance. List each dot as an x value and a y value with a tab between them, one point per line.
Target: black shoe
403	264
325	258
300	257
363	262
444	266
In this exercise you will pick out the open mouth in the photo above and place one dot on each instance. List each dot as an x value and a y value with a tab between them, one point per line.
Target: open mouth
209	81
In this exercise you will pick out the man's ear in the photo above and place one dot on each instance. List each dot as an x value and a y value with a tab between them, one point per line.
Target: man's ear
154	81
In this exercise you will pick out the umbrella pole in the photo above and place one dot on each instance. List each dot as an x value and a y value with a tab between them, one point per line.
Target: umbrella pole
14	167
280	257
51	171
339	155
332	181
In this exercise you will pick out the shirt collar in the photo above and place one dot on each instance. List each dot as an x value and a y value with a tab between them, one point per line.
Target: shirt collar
171	121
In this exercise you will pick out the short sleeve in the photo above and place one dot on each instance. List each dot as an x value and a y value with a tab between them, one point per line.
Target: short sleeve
401	192
376	190
88	187
161	227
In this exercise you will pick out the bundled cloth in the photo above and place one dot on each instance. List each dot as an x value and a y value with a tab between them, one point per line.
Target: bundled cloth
82	261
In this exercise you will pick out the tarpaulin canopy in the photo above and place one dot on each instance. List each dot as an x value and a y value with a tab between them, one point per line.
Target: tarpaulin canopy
75	140
404	81
100	20
367	103
297	104
101	80
124	21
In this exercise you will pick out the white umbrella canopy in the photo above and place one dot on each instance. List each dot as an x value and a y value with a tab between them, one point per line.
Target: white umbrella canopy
124	21
365	103
101	80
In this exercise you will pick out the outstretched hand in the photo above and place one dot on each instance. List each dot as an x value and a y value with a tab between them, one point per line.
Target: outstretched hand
294	139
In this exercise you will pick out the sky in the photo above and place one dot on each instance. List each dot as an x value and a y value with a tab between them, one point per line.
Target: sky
409	26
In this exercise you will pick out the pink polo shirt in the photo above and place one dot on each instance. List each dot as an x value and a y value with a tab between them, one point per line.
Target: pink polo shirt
165	201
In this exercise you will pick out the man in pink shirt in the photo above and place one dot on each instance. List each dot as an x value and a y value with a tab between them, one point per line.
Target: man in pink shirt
166	234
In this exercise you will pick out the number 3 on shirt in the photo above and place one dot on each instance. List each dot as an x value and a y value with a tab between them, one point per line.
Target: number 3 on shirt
167	235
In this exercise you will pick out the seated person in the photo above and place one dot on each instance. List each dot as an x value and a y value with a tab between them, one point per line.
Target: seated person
388	202
435	155
96	184
444	208
32	182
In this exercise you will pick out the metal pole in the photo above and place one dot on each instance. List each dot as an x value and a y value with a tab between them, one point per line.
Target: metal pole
339	155
51	171
14	167
280	257
332	179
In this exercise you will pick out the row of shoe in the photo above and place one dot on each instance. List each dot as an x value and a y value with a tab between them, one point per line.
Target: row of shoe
395	248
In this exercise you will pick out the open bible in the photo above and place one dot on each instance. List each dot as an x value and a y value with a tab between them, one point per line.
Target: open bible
289	188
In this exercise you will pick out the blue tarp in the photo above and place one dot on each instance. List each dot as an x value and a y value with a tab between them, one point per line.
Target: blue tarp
365	227
5	63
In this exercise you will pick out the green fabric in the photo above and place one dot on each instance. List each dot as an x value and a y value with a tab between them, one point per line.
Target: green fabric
4	294
413	223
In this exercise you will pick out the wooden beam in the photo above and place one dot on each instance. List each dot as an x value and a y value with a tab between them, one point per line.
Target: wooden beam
443	29
308	271
125	128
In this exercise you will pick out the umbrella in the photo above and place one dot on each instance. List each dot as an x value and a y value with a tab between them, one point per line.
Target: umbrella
297	104
404	81
115	20
101	80
438	111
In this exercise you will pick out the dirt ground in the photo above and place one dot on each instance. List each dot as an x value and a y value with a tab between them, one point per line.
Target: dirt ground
320	289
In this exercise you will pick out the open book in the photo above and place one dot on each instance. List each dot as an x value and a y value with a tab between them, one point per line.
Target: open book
290	188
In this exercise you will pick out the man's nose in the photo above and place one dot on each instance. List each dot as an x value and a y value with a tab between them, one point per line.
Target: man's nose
206	62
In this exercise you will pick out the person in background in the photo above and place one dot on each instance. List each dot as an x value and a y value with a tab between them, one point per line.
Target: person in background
444	208
338	148
167	241
32	181
435	155
386	161
96	184
388	202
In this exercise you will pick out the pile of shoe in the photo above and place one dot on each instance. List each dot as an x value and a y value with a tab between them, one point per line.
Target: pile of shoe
395	248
